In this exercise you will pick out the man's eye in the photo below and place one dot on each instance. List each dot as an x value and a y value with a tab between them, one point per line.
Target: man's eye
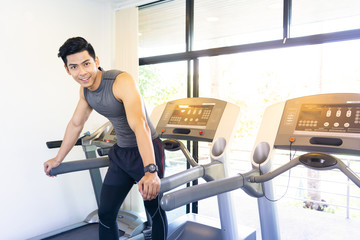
87	64
73	67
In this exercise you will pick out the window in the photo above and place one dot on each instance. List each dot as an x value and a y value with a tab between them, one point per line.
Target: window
162	29
160	83
234	22
268	72
314	17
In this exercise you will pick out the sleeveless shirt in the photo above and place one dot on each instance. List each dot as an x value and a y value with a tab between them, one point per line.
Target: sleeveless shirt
104	102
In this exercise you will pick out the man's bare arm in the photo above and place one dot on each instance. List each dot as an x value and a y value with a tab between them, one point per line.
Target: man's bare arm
72	133
125	90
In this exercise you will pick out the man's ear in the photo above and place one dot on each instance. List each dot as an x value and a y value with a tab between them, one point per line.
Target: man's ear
97	61
67	69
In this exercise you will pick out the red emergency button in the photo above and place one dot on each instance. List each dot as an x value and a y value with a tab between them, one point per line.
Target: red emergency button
163	130
201	132
292	139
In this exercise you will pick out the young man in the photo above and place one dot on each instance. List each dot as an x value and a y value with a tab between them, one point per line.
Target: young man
138	151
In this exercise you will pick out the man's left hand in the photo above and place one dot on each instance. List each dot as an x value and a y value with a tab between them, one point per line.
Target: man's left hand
149	185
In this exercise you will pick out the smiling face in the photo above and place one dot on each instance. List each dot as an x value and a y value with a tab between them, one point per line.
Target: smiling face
84	69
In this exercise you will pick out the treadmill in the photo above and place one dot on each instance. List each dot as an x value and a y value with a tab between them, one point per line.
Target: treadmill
325	127
205	120
98	143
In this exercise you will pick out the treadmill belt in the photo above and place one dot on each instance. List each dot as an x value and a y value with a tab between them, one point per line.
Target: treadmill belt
87	232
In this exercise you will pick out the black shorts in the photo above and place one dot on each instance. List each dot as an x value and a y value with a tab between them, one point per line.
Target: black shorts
129	161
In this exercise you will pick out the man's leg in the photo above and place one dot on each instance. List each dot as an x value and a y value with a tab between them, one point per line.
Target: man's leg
159	219
112	196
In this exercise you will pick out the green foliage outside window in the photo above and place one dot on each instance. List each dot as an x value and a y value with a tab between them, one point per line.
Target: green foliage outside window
152	88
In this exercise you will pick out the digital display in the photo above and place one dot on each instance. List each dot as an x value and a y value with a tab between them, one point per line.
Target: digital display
342	118
195	116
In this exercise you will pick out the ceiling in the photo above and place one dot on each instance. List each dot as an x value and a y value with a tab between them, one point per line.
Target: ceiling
119	4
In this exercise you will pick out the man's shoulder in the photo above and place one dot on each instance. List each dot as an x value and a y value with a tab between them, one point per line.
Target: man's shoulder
111	74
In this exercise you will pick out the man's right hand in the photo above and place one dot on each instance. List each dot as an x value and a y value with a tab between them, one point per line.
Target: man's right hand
50	164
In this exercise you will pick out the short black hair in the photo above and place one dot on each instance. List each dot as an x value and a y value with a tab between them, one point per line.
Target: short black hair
75	45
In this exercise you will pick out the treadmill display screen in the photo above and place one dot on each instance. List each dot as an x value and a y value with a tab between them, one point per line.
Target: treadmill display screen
341	118
191	116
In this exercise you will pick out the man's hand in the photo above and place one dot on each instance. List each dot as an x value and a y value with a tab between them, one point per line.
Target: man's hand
149	185
50	164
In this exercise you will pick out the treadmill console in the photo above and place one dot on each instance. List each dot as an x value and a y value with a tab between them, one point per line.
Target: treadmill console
110	137
191	119
103	138
106	141
329	118
326	122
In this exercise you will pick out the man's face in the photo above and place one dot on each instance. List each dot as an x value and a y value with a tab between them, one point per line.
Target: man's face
83	68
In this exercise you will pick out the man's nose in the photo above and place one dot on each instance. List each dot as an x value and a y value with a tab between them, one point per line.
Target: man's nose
82	70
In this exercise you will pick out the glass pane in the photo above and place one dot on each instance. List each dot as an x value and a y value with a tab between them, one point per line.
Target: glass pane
314	17
162	29
160	83
217	24
256	80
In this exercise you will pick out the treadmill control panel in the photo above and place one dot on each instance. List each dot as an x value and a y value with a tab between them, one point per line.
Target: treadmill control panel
110	136
325	122
191	119
104	137
191	116
332	118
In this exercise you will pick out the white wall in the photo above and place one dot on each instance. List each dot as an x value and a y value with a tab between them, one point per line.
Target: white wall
36	101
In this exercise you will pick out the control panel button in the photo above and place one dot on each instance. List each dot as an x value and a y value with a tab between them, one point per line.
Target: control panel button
328	113
348	113
338	113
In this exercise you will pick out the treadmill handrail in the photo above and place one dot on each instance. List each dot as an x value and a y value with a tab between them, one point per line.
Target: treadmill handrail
195	193
80	165
178	179
188	195
310	160
174	145
57	143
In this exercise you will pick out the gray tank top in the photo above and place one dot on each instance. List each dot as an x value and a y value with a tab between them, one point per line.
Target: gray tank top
105	103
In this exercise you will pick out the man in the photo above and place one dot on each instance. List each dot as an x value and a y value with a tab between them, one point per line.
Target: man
138	155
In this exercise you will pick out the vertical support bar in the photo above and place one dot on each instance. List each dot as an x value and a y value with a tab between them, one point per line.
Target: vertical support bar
268	214
189	35
229	224
287	19
195	208
188	145
196	89
189	79
194	79
189	24
194	205
229	228
348	194
95	175
96	180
